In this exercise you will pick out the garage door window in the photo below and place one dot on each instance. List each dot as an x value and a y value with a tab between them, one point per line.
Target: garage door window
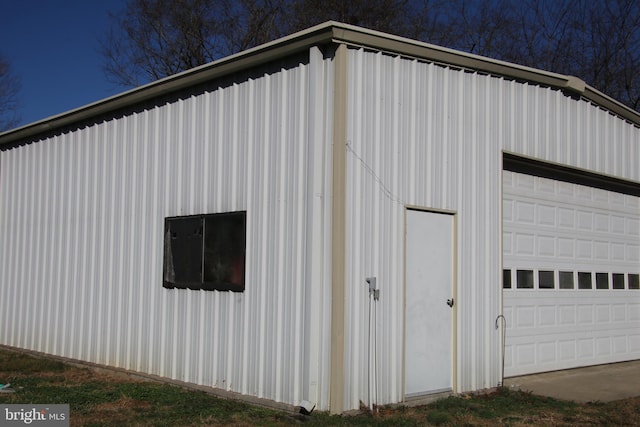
584	280
602	280
618	280
524	279
506	279
566	280
546	280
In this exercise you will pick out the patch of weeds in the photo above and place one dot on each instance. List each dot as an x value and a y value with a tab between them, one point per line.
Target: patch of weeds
505	401
99	399
26	364
438	418
450	404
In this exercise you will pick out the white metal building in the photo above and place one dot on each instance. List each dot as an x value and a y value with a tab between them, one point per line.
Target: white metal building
218	227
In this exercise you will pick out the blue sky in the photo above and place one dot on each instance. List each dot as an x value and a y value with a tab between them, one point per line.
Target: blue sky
53	46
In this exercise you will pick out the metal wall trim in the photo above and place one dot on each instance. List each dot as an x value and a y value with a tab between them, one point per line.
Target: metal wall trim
338	238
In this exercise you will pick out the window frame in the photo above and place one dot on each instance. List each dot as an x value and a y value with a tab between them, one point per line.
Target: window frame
233	262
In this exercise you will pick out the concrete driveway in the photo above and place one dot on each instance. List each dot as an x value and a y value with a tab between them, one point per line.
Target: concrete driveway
603	383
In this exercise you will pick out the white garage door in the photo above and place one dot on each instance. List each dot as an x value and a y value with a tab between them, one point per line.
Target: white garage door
571	271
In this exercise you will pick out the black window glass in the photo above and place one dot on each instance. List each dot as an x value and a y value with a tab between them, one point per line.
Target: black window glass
205	252
618	280
506	279
524	279
566	279
584	280
183	252
546	280
224	250
634	281
602	280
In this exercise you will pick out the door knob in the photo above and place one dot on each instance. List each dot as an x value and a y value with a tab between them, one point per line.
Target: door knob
450	302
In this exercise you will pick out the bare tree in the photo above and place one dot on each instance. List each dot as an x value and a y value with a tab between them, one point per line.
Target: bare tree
9	88
383	15
260	21
611	50
596	41
152	39
156	38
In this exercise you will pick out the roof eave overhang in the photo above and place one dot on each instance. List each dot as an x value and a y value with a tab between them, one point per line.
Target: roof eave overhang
321	34
329	32
457	59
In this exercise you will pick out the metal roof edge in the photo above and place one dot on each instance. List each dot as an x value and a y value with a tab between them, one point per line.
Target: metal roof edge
289	45
328	32
345	33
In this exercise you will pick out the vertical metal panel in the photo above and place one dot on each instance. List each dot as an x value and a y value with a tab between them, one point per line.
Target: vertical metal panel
425	135
571	132
81	215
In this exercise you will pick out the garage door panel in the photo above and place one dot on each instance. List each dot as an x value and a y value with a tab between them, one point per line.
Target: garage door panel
524	244
602	223
618	252
546	352
567	315
586	349
547	215
619	312
617	224
555	235
620	345
546	246
566	350
521	334
525	212
524	357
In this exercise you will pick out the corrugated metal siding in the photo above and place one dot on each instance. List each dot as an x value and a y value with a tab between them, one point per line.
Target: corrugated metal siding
81	215
420	136
548	125
425	135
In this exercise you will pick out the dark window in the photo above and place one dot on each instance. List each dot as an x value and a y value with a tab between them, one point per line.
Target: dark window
506	279
205	252
584	280
618	280
524	279
602	280
634	281
546	280
566	279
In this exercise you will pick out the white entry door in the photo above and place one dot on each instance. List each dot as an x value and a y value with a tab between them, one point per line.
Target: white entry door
429	302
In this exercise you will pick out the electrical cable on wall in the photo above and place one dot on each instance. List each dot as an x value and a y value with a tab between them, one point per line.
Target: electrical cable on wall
375	349
372	357
377	179
369	397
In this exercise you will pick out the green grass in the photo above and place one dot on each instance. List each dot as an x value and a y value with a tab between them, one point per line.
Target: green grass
99	399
